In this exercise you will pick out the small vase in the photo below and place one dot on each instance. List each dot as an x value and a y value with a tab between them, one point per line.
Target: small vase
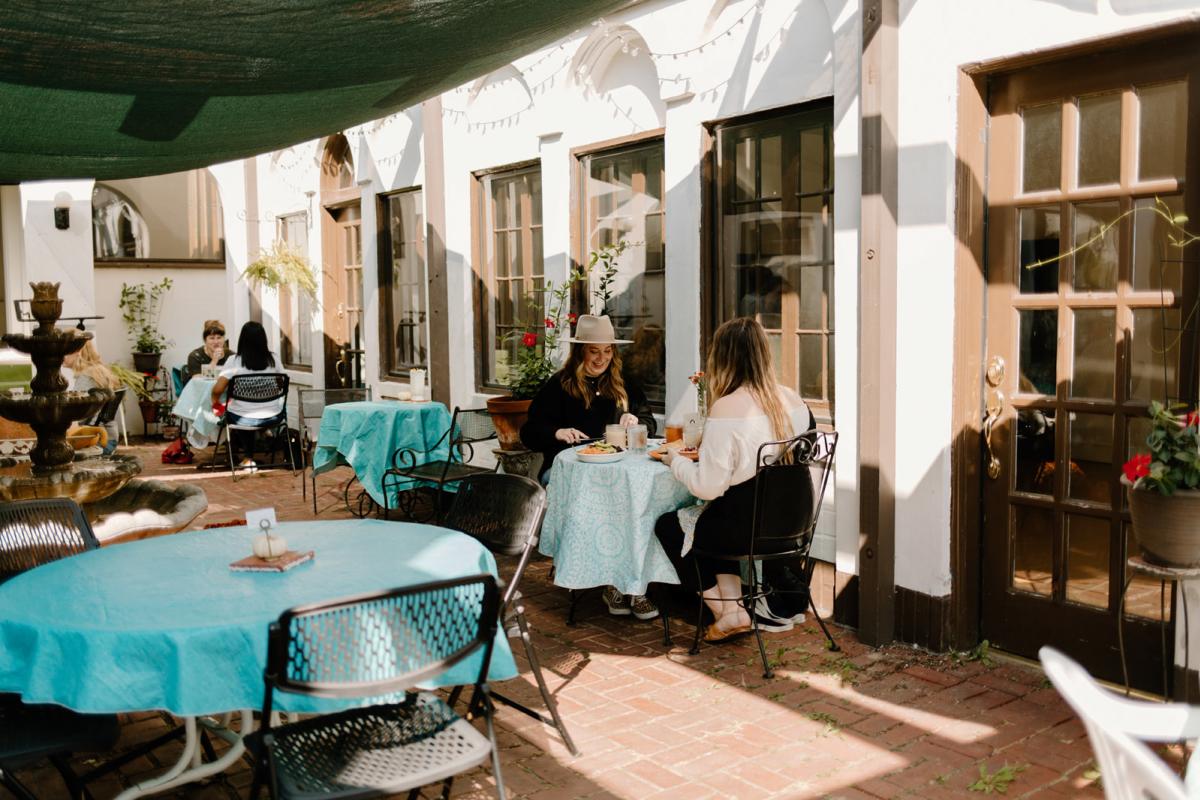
1167	527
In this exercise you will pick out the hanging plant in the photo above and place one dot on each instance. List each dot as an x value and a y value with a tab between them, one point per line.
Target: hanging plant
282	266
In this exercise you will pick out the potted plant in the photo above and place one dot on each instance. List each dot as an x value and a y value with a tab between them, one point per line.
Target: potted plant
1164	496
137	383
282	266
141	307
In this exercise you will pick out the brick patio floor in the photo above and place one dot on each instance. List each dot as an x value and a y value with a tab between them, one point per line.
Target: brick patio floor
658	723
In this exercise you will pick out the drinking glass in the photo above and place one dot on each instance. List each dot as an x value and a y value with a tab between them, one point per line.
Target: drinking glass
637	436
615	435
693	431
674	432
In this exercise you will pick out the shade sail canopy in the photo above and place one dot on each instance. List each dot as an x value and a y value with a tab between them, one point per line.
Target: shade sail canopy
97	89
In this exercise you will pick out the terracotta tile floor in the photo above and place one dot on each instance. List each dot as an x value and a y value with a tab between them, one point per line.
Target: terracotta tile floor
658	723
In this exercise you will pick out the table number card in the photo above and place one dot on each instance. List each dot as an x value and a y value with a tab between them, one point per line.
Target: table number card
255	517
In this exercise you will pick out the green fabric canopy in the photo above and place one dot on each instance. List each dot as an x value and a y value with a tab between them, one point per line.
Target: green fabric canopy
103	89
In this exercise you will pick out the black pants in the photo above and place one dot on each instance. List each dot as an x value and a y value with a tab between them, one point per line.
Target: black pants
244	441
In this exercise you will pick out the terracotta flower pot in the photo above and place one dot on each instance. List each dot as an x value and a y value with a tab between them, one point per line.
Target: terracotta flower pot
508	415
1167	528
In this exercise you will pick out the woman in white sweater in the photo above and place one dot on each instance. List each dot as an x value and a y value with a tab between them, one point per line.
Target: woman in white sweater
749	409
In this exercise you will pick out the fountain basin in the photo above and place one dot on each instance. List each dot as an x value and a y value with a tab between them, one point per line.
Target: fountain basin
61	409
145	508
84	481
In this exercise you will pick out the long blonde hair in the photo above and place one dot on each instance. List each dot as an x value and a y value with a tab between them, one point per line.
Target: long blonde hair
740	357
573	377
90	364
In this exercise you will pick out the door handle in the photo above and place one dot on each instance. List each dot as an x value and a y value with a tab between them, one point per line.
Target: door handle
995	406
341	310
339	367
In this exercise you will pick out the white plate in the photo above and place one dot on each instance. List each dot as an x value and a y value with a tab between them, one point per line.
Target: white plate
600	459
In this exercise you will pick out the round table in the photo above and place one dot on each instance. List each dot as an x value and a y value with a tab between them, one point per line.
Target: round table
194	406
599	526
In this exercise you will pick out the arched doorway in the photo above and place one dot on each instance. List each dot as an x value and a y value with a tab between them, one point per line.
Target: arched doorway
341	234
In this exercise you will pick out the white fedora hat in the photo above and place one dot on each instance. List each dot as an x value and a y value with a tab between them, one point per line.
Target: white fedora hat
591	329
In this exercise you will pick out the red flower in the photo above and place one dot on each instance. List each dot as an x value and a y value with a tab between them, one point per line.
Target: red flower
1137	467
1193	418
549	322
572	317
529	340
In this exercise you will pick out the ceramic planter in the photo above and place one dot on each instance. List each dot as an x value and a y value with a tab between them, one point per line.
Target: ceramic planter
147	362
508	415
1167	528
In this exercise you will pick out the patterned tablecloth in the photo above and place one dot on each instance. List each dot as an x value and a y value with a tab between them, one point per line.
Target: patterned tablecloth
165	624
365	434
599	526
194	406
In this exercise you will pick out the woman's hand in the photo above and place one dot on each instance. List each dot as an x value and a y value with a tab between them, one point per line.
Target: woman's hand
628	419
570	435
669	455
217	353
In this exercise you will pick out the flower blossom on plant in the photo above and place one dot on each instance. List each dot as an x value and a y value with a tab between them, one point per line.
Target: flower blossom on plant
572	317
549	322
1192	419
1137	467
529	340
697	377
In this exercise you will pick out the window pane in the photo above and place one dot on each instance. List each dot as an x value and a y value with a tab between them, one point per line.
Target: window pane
1146	596
1036	449
1155	260
1095	349
772	167
1162	130
1042	147
1099	139
296	322
624	202
812	368
1040	231
1154	354
812	298
812	160
1096	254
812	230
175	216
1033	532
1091	457
512	264
1087	560
1039	349
745	170
405	296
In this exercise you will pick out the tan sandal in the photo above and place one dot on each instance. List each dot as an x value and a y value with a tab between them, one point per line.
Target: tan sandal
713	634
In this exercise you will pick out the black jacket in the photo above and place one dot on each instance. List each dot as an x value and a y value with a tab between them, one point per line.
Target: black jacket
553	409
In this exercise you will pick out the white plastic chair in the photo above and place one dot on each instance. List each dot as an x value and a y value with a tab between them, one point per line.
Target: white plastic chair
1128	769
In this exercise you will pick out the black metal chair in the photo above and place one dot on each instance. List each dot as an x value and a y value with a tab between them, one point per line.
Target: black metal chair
367	646
256	387
312	406
788	488
468	427
505	513
32	533
107	415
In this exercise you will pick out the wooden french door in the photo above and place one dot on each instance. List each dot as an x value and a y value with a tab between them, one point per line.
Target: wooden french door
343	297
1089	318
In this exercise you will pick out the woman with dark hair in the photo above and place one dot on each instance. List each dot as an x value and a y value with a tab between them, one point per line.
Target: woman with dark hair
253	355
576	404
211	353
748	408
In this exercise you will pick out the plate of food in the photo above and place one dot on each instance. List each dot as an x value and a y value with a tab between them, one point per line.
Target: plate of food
687	452
599	453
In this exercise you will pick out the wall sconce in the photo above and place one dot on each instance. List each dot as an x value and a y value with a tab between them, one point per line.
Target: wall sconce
62	211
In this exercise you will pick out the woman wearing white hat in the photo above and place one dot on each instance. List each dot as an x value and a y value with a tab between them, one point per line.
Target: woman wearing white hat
576	404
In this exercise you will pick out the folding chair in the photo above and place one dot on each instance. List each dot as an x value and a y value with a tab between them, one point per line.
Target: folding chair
505	513
256	387
788	488
35	532
1115	725
368	646
312	406
111	412
468	427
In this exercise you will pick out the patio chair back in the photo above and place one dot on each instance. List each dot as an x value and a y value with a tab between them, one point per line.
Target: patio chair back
788	488
469	426
259	387
504	512
382	642
1130	769
312	406
35	532
108	412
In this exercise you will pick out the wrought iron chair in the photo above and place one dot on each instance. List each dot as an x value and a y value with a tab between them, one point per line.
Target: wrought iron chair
505	513
256	387
468	427
787	501
1117	726
312	406
110	413
366	646
32	533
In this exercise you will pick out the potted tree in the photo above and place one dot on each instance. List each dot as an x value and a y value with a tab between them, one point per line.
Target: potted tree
141	307
1164	496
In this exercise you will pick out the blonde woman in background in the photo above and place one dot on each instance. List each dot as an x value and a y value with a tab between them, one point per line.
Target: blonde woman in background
90	372
748	408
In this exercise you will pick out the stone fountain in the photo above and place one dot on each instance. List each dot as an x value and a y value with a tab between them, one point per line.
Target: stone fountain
53	469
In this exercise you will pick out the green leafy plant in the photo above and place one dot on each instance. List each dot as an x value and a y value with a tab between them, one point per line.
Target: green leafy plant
136	381
1174	458
282	266
996	782
141	307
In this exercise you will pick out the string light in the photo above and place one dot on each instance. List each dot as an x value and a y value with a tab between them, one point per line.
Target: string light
700	48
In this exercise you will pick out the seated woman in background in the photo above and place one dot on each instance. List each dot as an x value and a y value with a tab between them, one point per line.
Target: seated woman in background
748	409
253	355
90	372
576	404
213	352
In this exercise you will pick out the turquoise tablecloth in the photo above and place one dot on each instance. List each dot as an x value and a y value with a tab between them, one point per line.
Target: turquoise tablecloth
165	624
365	434
599	526
194	406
